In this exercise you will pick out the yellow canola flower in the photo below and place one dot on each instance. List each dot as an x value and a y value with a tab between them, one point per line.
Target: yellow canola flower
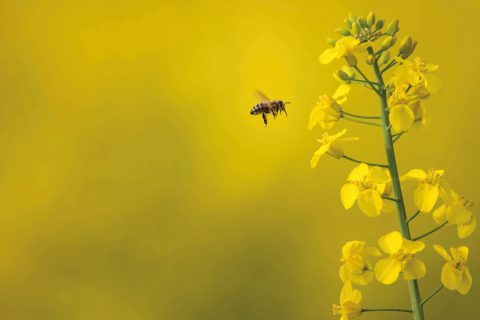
329	145
416	71
356	267
453	210
427	192
328	109
365	185
406	107
455	274
350	299
345	47
402	259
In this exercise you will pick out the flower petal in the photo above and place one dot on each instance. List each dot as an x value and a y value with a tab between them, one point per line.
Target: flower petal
341	92
451	277
401	117
315	117
352	247
378	175
413	247
349	194
415	174
441	251
466	282
466	229
328	55
414	269
460	253
391	242
440	214
370	202
359	173
387	270
425	197
432	82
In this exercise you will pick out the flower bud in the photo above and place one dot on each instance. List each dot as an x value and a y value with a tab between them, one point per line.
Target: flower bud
362	22
331	42
370	19
355	28
341	76
384	58
370	59
351	59
406	47
392	28
387	43
348	23
379	25
343	31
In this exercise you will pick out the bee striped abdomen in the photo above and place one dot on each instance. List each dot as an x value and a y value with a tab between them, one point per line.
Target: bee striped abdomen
259	108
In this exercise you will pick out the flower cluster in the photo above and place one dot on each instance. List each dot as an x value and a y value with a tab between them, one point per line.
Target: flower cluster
372	185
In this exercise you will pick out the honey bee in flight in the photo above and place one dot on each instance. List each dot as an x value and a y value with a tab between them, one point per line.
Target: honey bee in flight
267	106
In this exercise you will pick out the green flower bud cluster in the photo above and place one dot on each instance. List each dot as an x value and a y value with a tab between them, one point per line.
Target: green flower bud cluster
362	28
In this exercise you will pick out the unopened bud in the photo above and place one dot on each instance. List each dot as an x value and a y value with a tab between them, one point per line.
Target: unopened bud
355	28
342	76
392	28
351	60
384	58
362	22
379	25
370	19
387	43
348	23
406	47
343	31
331	42
370	59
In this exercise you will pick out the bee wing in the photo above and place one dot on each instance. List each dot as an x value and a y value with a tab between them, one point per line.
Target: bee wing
261	96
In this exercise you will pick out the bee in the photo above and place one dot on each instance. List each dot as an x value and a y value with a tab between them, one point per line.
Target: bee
267	106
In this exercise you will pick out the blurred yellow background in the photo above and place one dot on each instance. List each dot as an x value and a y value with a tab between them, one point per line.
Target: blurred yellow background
134	184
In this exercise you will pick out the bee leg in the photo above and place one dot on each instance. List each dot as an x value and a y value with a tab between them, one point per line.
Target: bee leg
264	116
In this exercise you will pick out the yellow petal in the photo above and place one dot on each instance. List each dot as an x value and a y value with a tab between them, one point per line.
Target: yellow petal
363	278
466	229
370	202
359	173
460	253
458	214
344	274
387	270
440	214
327	56
426	196
401	117
378	175
315	117
442	252
466	282
413	269
451	277
432	82
391	242
348	195
352	248
415	174
350	294
413	246
341	92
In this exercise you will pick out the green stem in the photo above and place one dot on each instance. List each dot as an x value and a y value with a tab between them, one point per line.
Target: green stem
361	121
432	295
367	163
414	216
387	309
398	136
414	291
390	198
367	80
364	81
391	64
431	231
358	116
